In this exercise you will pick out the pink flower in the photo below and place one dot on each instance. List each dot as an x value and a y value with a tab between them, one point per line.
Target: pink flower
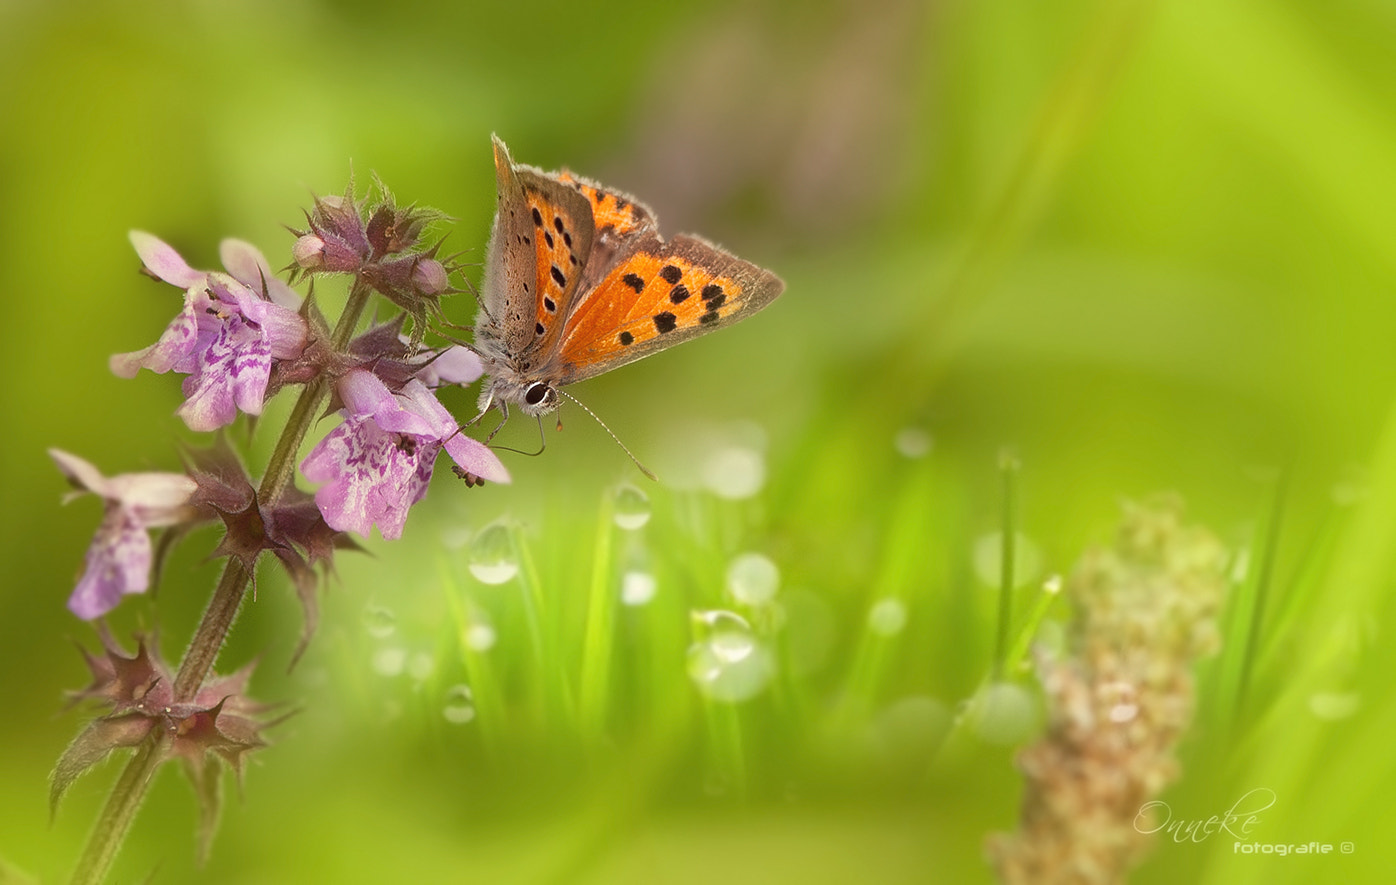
118	561
225	339
377	464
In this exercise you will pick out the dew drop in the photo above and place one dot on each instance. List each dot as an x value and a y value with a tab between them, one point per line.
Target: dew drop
389	661
480	637
1007	714
727	663
459	705
1240	565
492	558
632	508
717	620
912	442
753	579
734	472
380	622
421	665
637	587
988	559
887	617
1332	705
907	733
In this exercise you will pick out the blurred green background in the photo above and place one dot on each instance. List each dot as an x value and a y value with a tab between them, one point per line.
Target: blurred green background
1142	245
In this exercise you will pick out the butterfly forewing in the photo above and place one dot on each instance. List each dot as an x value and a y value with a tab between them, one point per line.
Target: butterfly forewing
541	240
658	295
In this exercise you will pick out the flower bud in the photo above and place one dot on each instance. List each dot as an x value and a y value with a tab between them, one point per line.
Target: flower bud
429	277
309	252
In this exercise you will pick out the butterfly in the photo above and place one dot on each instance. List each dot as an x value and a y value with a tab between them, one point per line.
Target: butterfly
578	282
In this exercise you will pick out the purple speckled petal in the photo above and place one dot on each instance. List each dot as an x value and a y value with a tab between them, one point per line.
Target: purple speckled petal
371	476
231	374
118	563
180	339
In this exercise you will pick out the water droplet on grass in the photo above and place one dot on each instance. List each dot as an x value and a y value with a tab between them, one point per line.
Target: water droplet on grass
480	637
727	663
380	622
459	706
753	579
389	661
492	555
1332	705
632	508
637	587
912	442
908	732
734	472
887	617
421	665
1006	713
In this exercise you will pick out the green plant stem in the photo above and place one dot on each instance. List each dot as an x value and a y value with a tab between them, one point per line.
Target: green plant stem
129	791
1008	467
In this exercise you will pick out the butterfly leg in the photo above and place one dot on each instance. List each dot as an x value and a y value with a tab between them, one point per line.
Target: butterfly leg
503	419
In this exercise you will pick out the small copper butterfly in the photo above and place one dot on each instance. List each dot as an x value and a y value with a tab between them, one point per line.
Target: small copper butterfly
578	282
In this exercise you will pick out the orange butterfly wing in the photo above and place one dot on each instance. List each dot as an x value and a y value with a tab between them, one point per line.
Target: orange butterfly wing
659	295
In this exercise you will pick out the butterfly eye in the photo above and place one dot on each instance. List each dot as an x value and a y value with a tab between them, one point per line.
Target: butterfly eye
538	392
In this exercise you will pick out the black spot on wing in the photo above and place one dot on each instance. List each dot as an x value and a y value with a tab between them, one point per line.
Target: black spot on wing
670	274
634	281
679	294
665	322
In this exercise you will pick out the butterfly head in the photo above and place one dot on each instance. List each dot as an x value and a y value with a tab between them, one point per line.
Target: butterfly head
507	387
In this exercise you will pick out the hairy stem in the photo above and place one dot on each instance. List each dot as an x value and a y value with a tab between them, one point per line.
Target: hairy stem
130	789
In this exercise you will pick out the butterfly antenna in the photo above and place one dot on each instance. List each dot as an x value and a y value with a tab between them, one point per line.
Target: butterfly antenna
643	469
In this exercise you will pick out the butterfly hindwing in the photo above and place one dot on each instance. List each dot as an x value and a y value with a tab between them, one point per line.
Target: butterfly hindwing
659	295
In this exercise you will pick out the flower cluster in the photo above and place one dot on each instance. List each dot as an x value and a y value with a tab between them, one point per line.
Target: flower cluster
1119	700
240	337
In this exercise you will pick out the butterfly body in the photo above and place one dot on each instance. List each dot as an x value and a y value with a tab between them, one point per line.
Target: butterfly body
578	281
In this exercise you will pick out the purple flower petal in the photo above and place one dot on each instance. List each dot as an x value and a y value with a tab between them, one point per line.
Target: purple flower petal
225	338
371	475
118	560
247	265
162	260
454	365
180	339
118	563
154	499
379	462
